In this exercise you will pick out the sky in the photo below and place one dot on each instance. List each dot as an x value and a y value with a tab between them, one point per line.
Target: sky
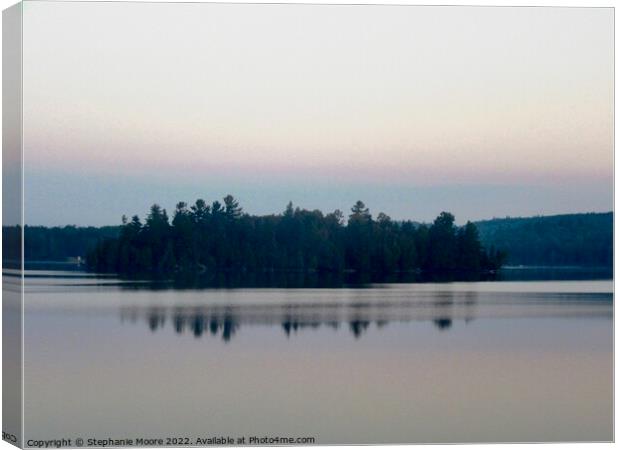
481	111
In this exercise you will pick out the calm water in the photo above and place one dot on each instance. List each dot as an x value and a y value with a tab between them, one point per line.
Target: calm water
382	363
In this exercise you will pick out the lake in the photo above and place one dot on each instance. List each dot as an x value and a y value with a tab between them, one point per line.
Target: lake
371	363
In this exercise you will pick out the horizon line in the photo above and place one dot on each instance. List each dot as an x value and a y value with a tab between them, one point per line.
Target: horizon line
421	222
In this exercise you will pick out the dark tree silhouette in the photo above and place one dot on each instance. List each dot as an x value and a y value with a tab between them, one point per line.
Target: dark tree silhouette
442	251
222	237
584	240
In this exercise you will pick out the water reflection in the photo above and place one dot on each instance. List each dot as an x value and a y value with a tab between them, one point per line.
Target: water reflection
443	323
378	364
225	321
356	311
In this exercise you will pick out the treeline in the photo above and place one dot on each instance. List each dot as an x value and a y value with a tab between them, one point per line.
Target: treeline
572	239
564	240
220	236
59	243
51	243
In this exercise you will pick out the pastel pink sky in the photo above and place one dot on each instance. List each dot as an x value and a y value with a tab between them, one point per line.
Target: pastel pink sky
424	96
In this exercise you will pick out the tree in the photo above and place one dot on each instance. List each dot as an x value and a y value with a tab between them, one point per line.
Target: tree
157	234
157	219
289	211
183	234
359	212
200	211
442	243
359	232
384	220
469	248
220	236
384	245
216	208
337	217
231	207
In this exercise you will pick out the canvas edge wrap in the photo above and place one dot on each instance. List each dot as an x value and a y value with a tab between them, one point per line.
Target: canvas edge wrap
12	227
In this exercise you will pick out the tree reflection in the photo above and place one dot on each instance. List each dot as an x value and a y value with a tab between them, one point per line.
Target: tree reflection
443	323
224	321
358	327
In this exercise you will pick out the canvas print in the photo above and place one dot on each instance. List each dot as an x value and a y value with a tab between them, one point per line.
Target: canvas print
297	224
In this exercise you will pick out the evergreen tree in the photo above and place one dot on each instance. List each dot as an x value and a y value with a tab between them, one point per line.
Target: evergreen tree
231	208
442	243
220	236
469	248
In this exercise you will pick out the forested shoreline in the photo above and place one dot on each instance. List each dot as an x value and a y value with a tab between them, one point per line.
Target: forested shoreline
582	240
578	240
220	236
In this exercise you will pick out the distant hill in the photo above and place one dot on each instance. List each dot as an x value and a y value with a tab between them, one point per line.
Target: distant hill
563	240
60	243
